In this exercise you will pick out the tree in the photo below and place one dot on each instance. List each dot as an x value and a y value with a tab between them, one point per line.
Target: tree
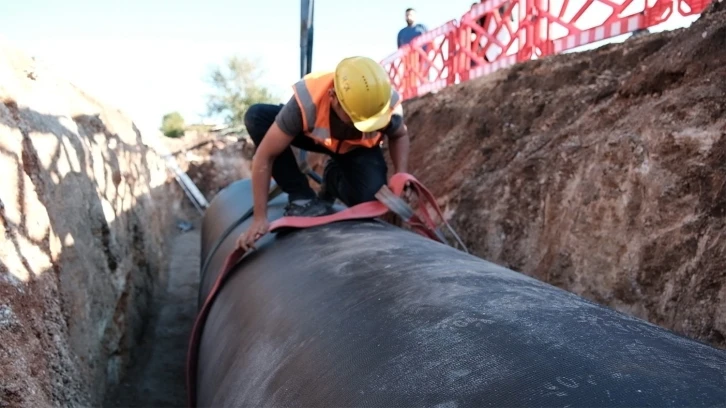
236	88
172	125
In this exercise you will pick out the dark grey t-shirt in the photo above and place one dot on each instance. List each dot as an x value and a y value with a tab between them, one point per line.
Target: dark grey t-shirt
290	121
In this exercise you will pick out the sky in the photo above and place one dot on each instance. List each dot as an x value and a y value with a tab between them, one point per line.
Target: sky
151	57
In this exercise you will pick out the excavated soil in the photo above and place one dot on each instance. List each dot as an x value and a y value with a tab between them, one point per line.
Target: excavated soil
216	162
603	172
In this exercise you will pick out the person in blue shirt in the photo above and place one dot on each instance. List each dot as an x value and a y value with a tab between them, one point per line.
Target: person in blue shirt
412	30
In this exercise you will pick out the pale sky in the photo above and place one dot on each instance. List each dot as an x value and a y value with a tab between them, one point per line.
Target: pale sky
150	57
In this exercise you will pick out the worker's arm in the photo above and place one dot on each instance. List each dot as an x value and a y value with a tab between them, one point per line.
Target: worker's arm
272	145
287	123
398	142
399	148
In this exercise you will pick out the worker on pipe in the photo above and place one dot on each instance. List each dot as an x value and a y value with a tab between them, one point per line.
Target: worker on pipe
344	114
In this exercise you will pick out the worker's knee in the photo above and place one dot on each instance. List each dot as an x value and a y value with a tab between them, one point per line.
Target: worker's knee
366	185
356	177
371	176
367	192
258	119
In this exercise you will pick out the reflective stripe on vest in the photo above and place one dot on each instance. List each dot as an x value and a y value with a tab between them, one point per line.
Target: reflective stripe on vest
308	106
321	133
319	128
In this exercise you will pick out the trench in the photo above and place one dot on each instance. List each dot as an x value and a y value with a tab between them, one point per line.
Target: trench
156	375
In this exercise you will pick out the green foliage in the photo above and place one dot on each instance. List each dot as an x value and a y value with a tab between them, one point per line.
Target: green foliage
172	125
236	88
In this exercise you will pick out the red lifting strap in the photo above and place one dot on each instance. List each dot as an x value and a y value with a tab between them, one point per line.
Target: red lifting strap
389	199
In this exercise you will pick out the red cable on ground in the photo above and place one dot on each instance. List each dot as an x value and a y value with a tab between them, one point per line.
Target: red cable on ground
370	209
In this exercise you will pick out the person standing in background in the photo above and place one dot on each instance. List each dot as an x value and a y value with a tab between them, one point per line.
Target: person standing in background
412	29
418	63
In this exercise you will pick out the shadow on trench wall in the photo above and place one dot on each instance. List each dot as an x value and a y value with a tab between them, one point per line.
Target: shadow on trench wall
83	249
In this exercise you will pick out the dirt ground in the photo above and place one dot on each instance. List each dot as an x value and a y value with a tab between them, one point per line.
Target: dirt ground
603	172
157	377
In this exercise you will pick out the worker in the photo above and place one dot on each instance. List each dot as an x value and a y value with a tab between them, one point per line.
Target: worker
412	29
344	114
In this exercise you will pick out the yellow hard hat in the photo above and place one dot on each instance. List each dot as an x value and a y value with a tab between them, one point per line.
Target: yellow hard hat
364	91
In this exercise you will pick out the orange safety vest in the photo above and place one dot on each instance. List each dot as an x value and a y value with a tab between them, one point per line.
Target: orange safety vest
311	94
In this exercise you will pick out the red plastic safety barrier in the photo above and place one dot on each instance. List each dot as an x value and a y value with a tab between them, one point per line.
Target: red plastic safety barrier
607	16
396	68
424	65
495	34
607	30
691	7
492	37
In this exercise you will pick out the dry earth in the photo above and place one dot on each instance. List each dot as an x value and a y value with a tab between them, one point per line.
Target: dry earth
86	207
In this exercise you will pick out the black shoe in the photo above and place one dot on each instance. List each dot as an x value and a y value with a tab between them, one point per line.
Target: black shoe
313	208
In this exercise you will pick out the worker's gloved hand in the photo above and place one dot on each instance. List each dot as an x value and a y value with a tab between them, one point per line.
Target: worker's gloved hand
257	229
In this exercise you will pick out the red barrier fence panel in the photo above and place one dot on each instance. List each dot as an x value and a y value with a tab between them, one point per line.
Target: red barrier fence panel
425	64
492	35
602	32
495	34
430	59
607	19
657	12
692	7
573	23
395	65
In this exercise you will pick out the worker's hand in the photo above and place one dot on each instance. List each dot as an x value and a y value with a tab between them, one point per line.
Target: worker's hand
257	229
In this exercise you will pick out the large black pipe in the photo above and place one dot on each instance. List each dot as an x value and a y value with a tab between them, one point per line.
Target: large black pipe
360	314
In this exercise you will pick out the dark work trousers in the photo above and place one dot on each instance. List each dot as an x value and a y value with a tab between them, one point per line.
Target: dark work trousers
353	177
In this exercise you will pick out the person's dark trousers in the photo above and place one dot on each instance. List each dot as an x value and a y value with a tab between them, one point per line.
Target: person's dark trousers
354	177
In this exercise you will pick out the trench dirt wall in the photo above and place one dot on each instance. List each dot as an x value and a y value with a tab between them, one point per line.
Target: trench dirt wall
86	205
